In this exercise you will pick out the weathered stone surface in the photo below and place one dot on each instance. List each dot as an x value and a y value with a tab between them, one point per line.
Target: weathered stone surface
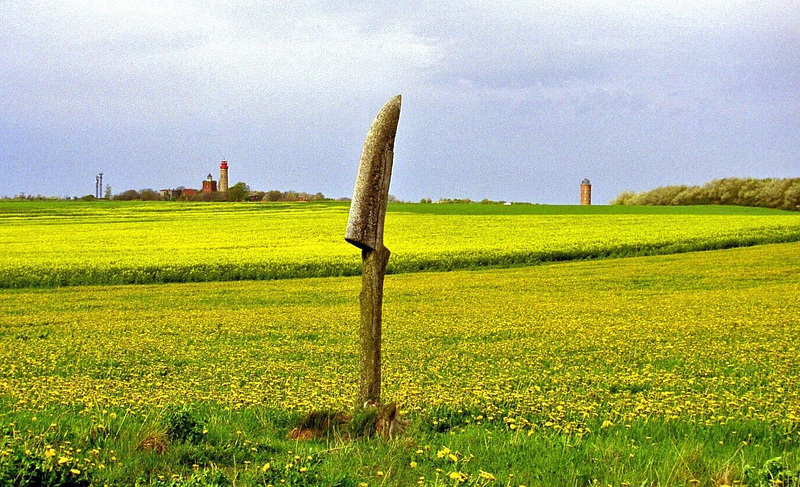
365	231
371	300
371	193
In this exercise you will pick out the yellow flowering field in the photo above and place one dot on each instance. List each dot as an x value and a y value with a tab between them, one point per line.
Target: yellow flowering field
704	338
70	243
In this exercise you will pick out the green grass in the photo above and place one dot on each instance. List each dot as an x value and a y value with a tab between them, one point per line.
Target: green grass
250	447
534	209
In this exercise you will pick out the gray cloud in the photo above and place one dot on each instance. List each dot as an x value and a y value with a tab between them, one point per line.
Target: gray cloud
501	99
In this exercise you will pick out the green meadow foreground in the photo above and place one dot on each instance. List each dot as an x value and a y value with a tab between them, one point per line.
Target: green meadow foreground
662	370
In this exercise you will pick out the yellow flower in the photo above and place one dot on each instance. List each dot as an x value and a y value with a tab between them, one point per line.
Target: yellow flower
75	471
49	453
265	467
487	476
413	464
458	476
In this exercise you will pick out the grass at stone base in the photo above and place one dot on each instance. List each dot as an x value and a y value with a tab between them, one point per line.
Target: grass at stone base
452	447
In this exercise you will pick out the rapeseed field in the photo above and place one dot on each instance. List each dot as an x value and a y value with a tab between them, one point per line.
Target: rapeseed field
660	370
71	243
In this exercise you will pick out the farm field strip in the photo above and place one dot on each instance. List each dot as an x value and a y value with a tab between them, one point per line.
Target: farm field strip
702	338
49	245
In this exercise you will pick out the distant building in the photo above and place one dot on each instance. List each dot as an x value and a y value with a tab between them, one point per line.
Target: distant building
586	192
209	185
171	194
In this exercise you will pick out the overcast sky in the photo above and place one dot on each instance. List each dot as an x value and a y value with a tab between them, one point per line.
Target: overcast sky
508	100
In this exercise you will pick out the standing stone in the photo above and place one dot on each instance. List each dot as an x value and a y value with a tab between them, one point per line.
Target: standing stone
365	231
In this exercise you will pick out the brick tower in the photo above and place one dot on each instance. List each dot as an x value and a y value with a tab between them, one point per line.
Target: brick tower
586	192
209	185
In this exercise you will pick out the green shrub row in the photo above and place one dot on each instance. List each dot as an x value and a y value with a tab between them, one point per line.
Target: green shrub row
764	193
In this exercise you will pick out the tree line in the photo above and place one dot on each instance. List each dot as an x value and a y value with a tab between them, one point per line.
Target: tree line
765	193
238	192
